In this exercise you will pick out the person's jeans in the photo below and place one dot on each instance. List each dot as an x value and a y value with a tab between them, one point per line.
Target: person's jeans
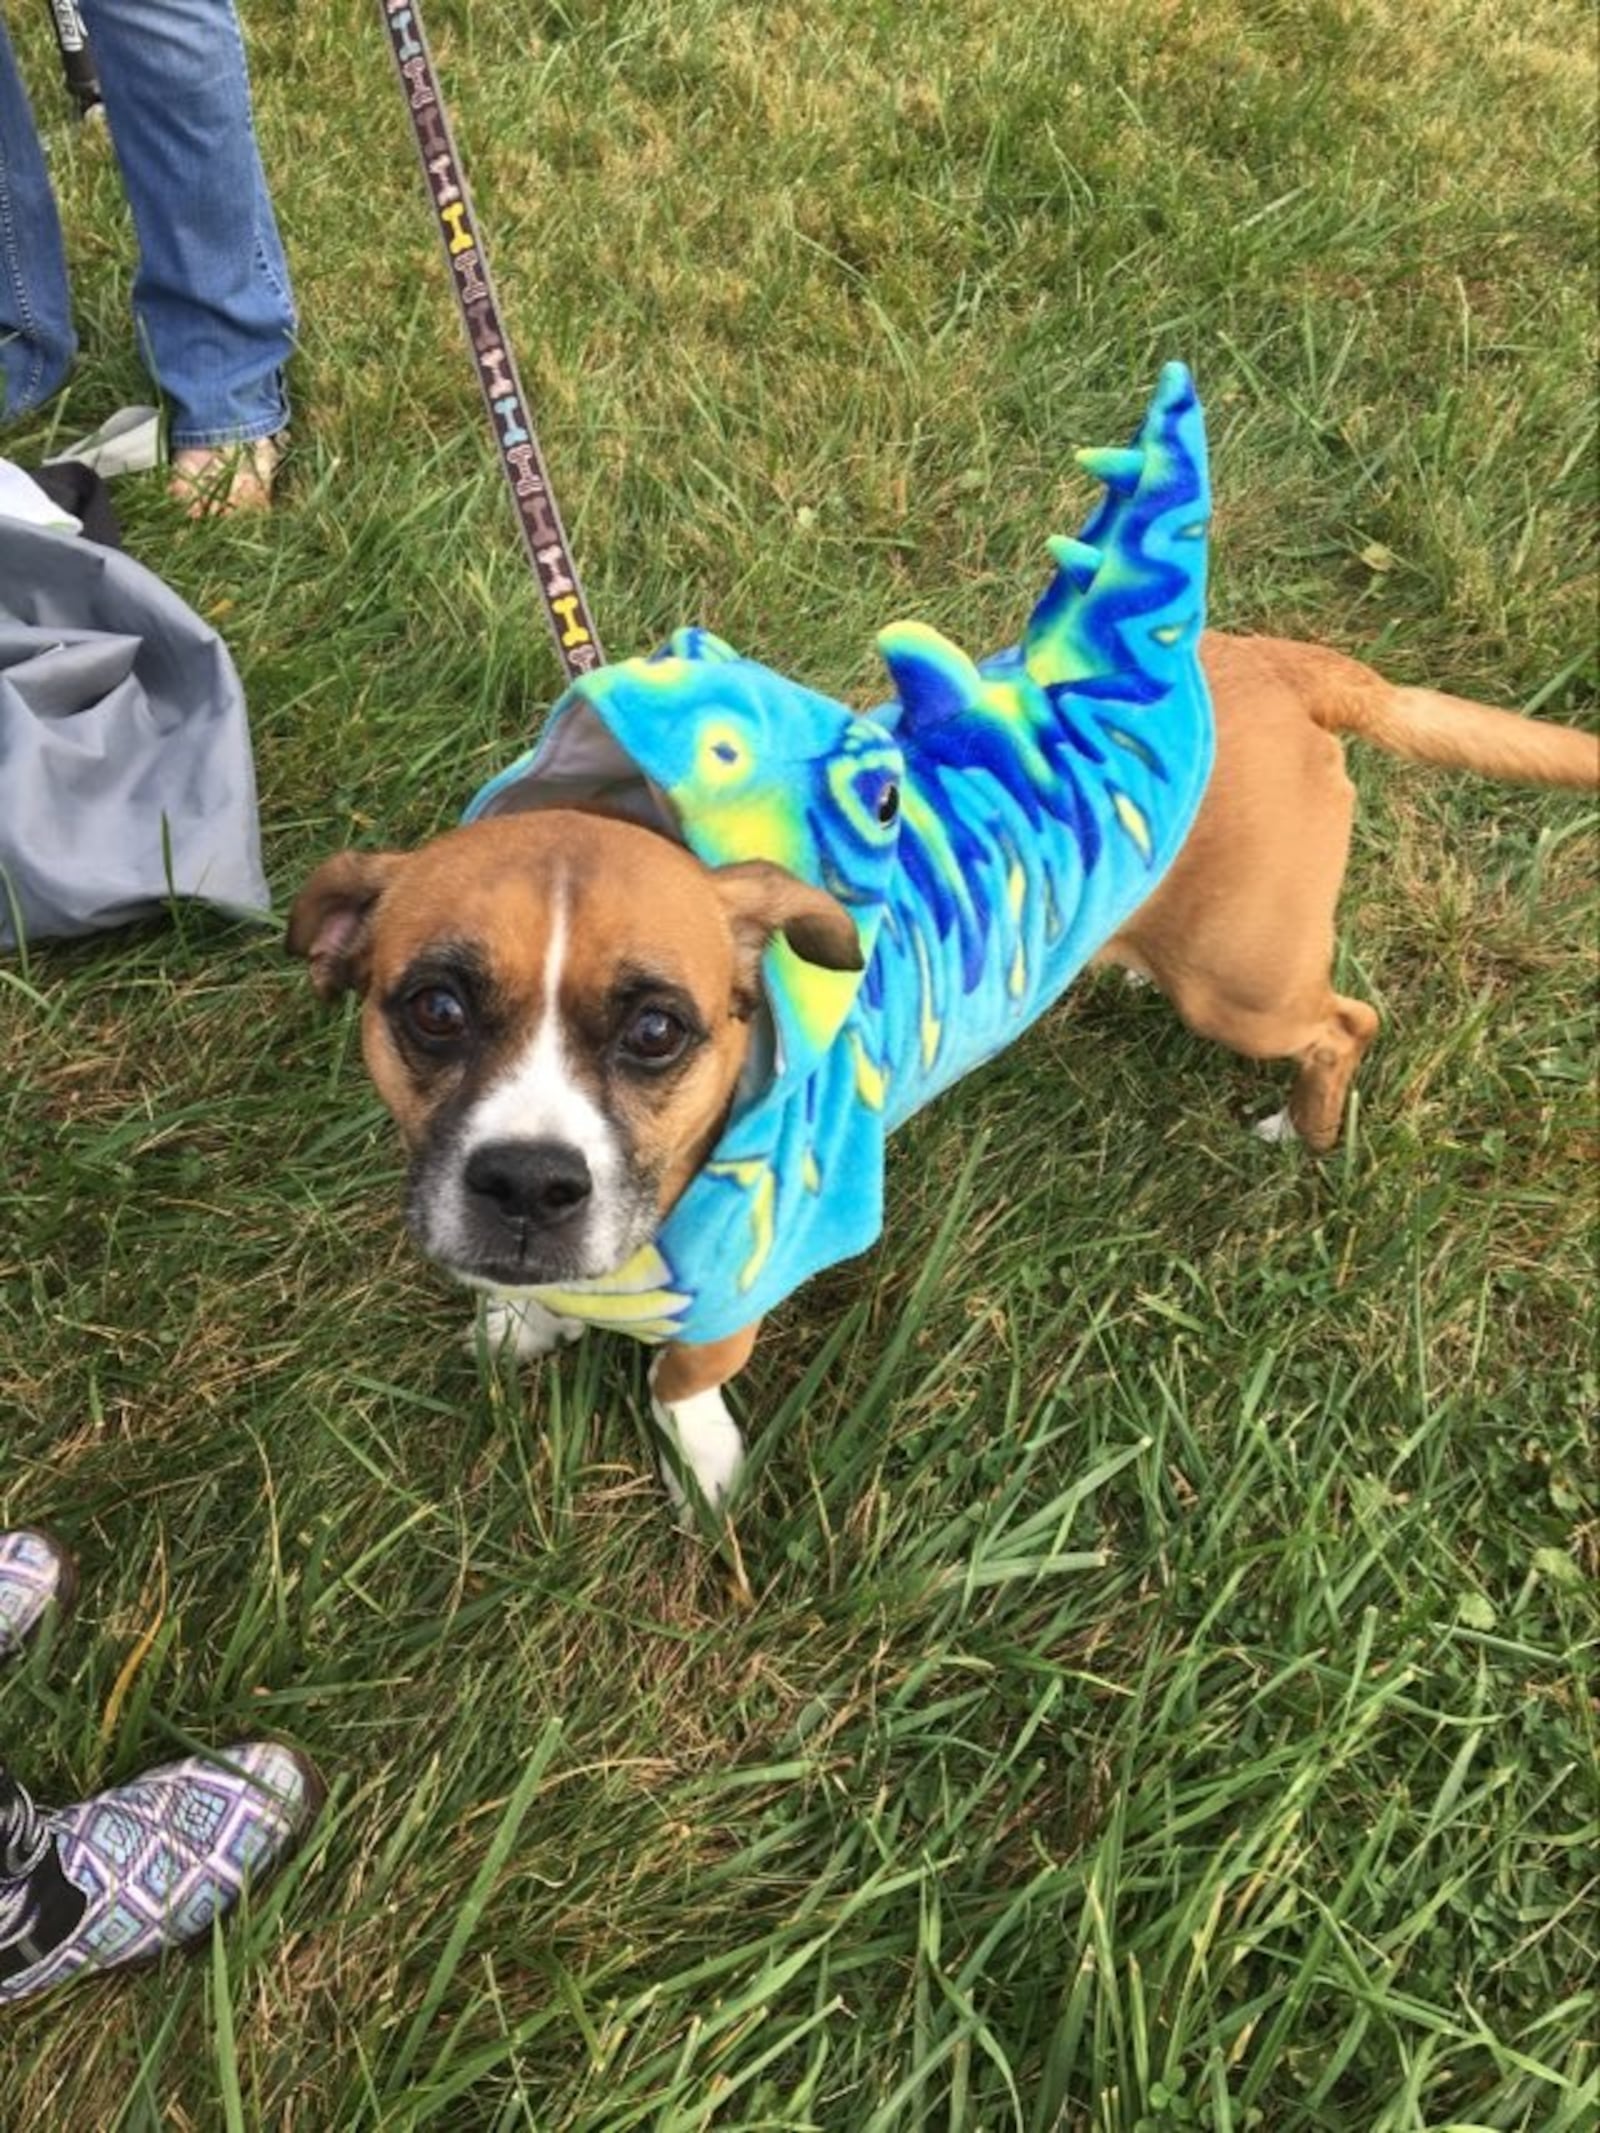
211	299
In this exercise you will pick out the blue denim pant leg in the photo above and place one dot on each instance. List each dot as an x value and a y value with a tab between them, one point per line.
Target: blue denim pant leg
211	300
37	343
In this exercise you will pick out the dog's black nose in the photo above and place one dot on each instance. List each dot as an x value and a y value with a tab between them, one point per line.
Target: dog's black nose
530	1181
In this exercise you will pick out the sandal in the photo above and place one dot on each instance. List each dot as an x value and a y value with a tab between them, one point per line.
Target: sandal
219	480
36	1574
123	1877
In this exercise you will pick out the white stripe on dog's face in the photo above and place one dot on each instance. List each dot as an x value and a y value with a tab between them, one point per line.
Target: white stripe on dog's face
540	1098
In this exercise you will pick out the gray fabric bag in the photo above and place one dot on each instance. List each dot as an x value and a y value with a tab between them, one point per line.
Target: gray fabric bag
125	767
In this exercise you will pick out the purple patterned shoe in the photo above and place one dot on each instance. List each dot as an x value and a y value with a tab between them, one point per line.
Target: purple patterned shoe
145	1867
36	1573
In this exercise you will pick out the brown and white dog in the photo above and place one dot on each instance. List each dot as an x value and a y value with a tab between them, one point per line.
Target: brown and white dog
558	1006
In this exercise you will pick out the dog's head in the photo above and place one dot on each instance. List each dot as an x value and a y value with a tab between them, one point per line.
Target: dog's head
557	1010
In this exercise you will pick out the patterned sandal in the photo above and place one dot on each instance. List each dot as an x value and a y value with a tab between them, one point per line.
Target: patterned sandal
36	1574
122	1878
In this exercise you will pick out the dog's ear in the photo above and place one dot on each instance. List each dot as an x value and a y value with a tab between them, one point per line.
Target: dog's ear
762	899
330	924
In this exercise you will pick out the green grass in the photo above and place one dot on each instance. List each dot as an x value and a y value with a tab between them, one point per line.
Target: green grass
1164	1696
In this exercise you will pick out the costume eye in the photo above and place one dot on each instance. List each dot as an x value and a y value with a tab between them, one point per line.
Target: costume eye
436	1013
654	1037
723	758
888	804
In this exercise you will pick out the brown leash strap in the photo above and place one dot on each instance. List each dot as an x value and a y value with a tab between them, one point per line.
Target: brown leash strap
572	626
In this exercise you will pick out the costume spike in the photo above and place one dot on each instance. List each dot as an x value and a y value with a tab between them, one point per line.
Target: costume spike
933	678
695	643
1151	564
1077	559
1119	466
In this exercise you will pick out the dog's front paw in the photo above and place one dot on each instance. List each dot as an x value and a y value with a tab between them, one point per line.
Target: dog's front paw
527	1329
707	1444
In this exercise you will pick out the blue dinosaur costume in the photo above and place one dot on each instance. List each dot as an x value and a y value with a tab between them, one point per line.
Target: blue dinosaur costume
987	830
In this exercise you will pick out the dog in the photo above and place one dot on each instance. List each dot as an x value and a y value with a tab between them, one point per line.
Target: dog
646	1018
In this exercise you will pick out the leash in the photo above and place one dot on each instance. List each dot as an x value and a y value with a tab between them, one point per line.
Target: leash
522	462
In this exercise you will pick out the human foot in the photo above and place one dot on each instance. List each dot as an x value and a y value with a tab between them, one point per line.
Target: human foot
220	480
125	1876
36	1574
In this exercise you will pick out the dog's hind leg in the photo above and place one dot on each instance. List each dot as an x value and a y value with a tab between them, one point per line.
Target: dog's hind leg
1324	1032
1326	1067
1240	934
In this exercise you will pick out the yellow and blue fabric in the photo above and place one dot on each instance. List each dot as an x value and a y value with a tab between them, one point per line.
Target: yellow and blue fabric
988	829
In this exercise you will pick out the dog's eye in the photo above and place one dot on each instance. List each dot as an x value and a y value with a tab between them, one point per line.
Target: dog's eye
654	1036
888	804
436	1013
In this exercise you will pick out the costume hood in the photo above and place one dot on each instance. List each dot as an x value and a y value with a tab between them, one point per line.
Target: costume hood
739	763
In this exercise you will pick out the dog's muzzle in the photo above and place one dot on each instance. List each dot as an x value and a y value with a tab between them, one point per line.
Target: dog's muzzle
515	1214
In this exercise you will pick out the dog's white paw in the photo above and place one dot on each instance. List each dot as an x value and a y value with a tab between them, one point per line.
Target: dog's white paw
528	1329
1277	1130
708	1445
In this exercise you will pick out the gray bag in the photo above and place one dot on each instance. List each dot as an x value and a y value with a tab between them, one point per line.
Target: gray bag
125	767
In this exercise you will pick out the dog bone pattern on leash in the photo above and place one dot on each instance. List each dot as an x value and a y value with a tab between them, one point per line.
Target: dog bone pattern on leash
987	831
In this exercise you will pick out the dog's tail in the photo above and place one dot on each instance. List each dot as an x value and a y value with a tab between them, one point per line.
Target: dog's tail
1430	727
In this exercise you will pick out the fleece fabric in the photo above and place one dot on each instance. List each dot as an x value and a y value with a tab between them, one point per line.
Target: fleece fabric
987	829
